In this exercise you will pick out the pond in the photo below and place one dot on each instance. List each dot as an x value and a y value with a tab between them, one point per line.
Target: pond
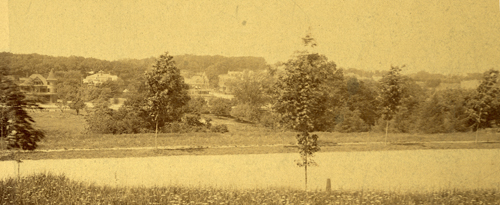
413	170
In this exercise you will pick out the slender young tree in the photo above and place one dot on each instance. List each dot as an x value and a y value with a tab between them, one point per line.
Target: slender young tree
301	99
391	93
166	92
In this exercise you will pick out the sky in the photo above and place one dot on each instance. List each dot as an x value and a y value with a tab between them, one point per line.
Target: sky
446	36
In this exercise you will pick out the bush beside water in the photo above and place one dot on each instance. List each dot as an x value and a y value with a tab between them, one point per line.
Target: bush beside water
57	189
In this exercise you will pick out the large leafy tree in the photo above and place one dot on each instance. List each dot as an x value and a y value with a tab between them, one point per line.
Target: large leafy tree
444	111
484	105
166	92
390	95
15	123
251	92
362	97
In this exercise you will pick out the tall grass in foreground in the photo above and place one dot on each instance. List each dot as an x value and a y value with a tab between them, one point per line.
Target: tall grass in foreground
52	189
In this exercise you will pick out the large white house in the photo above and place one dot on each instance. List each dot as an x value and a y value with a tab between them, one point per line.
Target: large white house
99	78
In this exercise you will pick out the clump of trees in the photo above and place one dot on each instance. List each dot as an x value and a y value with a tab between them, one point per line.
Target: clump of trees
414	103
160	104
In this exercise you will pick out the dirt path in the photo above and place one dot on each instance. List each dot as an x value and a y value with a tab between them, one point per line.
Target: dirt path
252	146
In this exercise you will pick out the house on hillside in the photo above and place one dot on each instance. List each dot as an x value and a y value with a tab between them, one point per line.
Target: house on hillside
225	79
470	84
448	86
99	78
40	87
198	85
358	77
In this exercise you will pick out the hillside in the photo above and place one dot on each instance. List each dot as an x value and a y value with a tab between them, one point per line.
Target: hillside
23	65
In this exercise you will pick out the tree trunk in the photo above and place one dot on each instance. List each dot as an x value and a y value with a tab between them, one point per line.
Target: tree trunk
478	122
305	168
156	136
386	129
477	129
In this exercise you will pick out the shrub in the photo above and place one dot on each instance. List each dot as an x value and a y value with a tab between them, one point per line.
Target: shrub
220	107
197	106
101	121
246	112
351	122
175	127
219	128
269	119
188	123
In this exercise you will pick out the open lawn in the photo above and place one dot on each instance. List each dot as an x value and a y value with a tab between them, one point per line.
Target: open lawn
66	131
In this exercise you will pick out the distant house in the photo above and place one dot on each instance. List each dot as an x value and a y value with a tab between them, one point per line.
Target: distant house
470	84
447	86
38	86
358	77
99	78
198	85
225	79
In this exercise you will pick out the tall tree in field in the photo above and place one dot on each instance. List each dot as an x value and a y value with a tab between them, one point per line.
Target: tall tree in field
390	95
301	99
484	105
15	123
166	92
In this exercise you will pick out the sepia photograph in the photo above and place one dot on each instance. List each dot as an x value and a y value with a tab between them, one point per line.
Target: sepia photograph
249	102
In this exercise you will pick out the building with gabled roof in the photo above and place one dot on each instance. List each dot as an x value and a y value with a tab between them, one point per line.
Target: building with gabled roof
198	85
38	86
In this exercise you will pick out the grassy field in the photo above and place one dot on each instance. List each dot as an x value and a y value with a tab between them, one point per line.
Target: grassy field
66	131
52	189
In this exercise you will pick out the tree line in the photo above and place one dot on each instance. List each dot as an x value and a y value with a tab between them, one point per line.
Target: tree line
265	97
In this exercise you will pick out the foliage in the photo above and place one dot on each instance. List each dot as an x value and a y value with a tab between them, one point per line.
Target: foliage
220	106
189	123
197	105
100	120
362	97
400	99
444	112
77	104
129	120
252	88
483	106
166	91
68	84
219	128
15	123
33	190
391	93
304	96
251	92
269	120
246	112
351	122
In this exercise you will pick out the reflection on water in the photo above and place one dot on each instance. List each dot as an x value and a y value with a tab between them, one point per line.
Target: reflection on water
390	170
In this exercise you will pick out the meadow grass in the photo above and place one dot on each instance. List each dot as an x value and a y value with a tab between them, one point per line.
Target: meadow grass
56	189
66	130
